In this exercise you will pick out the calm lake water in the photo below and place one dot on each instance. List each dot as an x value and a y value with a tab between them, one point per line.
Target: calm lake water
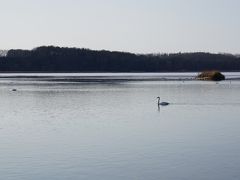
108	127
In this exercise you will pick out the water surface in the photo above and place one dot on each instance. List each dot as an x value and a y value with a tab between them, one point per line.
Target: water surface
59	128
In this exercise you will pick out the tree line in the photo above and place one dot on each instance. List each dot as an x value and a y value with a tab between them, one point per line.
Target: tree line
59	59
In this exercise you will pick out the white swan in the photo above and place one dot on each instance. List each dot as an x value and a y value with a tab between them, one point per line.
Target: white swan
162	103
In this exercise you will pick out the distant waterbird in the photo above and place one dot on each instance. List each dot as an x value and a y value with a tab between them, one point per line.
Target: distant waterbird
162	103
14	89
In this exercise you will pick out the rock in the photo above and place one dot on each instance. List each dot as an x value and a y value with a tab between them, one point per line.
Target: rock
211	76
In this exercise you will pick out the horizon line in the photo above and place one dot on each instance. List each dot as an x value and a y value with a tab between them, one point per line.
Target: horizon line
150	53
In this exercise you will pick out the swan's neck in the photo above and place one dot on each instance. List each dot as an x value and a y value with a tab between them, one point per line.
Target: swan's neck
158	101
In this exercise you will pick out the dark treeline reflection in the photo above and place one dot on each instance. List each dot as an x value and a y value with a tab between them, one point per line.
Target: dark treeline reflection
56	59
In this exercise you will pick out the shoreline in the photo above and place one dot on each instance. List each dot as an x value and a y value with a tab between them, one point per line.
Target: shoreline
106	77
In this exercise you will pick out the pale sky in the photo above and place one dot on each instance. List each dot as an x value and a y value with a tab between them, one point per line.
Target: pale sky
140	26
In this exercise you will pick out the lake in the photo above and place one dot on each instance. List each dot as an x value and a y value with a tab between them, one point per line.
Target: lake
108	126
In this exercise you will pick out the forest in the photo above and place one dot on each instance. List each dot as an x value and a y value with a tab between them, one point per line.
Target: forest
62	59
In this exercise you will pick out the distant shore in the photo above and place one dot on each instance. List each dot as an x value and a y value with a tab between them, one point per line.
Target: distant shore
62	59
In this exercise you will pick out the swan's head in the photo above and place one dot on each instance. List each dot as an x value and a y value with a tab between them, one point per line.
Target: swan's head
158	97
